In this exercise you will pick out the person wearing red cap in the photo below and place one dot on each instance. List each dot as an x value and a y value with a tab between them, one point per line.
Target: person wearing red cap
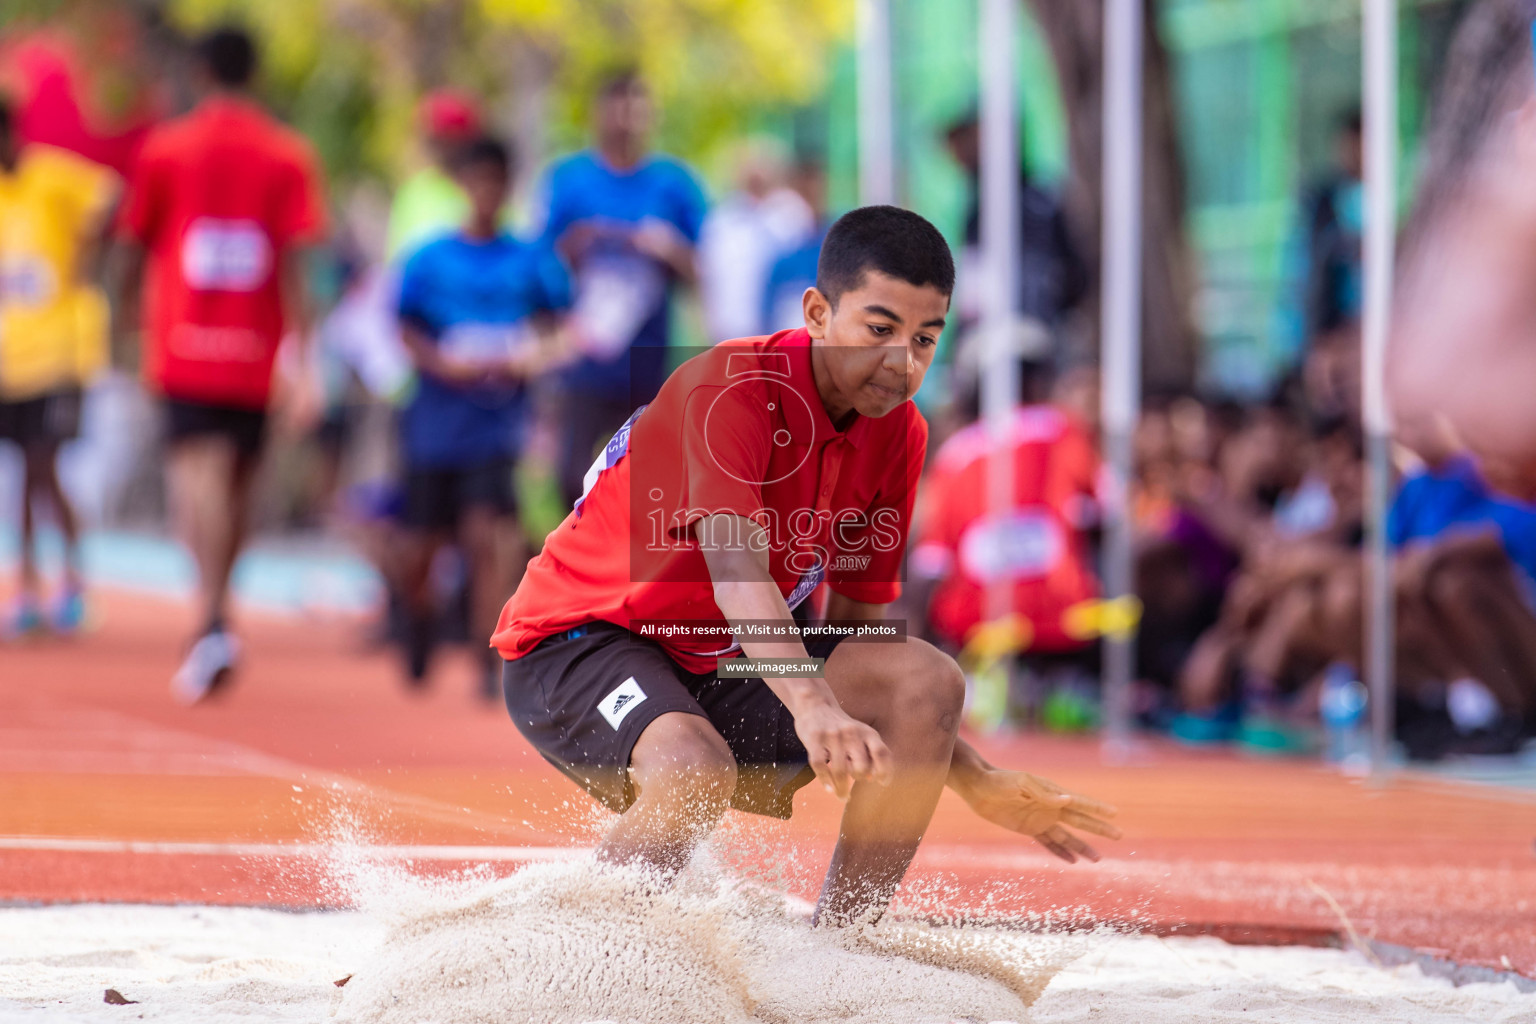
430	202
221	205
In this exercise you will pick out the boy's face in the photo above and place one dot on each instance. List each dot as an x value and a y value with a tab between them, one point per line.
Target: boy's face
880	339
485	183
626	113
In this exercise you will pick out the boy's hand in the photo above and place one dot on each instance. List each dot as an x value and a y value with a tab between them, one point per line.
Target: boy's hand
842	750
1040	809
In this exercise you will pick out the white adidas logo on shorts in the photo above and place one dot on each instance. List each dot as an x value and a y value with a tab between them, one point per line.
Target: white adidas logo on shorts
625	698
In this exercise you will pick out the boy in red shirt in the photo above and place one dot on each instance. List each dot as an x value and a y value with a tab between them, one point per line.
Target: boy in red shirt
222	202
764	468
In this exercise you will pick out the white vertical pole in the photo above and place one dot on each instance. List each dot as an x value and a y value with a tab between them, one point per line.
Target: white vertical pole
877	134
1379	33
1121	342
999	258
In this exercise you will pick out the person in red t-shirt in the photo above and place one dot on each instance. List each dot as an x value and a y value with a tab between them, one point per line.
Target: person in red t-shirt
1037	547
764	468
222	202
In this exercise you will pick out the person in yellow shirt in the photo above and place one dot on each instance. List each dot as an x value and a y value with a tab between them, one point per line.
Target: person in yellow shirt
53	338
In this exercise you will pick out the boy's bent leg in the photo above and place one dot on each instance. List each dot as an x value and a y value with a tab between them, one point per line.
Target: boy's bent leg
210	493
612	712
42	476
492	539
911	693
683	776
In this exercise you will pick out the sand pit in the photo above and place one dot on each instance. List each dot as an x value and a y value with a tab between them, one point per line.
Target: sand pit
560	942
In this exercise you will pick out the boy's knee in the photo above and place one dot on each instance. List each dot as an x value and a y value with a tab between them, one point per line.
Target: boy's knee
930	684
1451	586
681	756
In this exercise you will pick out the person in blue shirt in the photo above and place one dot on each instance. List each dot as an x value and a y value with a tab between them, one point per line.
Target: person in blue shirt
626	221
1466	572
477	313
795	269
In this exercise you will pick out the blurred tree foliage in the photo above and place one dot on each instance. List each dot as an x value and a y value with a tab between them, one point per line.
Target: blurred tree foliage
348	72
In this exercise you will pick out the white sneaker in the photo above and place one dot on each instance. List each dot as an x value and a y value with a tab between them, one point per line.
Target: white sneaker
207	667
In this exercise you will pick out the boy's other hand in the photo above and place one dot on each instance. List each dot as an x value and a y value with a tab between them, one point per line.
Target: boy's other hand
298	400
1040	809
659	240
841	750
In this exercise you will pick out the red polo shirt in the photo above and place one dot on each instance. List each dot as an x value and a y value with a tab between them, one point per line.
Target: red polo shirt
217	199
737	429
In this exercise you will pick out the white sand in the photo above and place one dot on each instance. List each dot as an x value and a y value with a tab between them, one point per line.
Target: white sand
564	942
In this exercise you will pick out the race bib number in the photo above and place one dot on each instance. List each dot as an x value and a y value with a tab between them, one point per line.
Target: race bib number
1026	544
225	255
26	282
615	296
485	343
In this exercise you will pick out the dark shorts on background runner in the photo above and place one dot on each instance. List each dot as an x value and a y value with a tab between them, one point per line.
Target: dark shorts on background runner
49	419
583	697
245	428
436	499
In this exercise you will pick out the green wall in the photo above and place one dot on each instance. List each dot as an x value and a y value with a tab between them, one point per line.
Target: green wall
1259	86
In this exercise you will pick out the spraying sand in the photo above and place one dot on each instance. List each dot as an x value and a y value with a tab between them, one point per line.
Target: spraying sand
574	942
571	942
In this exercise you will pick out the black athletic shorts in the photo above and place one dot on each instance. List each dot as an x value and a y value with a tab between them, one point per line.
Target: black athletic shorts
245	428
49	419
583	697
436	499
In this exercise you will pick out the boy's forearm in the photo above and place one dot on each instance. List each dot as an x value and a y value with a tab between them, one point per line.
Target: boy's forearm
966	765
298	311
752	600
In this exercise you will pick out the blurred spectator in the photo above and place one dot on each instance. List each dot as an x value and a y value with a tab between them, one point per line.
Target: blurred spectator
1037	545
1183	566
626	221
1326	250
222	202
53	340
795	269
742	237
1038	549
1051	276
430	202
1466	575
1230	514
476	313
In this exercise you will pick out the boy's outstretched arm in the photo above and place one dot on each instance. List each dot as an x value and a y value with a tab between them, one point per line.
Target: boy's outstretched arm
1018	801
1029	805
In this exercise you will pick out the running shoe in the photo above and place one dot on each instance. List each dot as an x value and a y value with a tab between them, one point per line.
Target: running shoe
420	638
207	668
25	619
1208	728
69	612
1273	736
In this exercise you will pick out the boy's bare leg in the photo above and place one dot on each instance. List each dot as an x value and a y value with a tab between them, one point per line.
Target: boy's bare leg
1205	680
413	560
911	694
210	497
494	549
683	777
30	584
1460	594
42	474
